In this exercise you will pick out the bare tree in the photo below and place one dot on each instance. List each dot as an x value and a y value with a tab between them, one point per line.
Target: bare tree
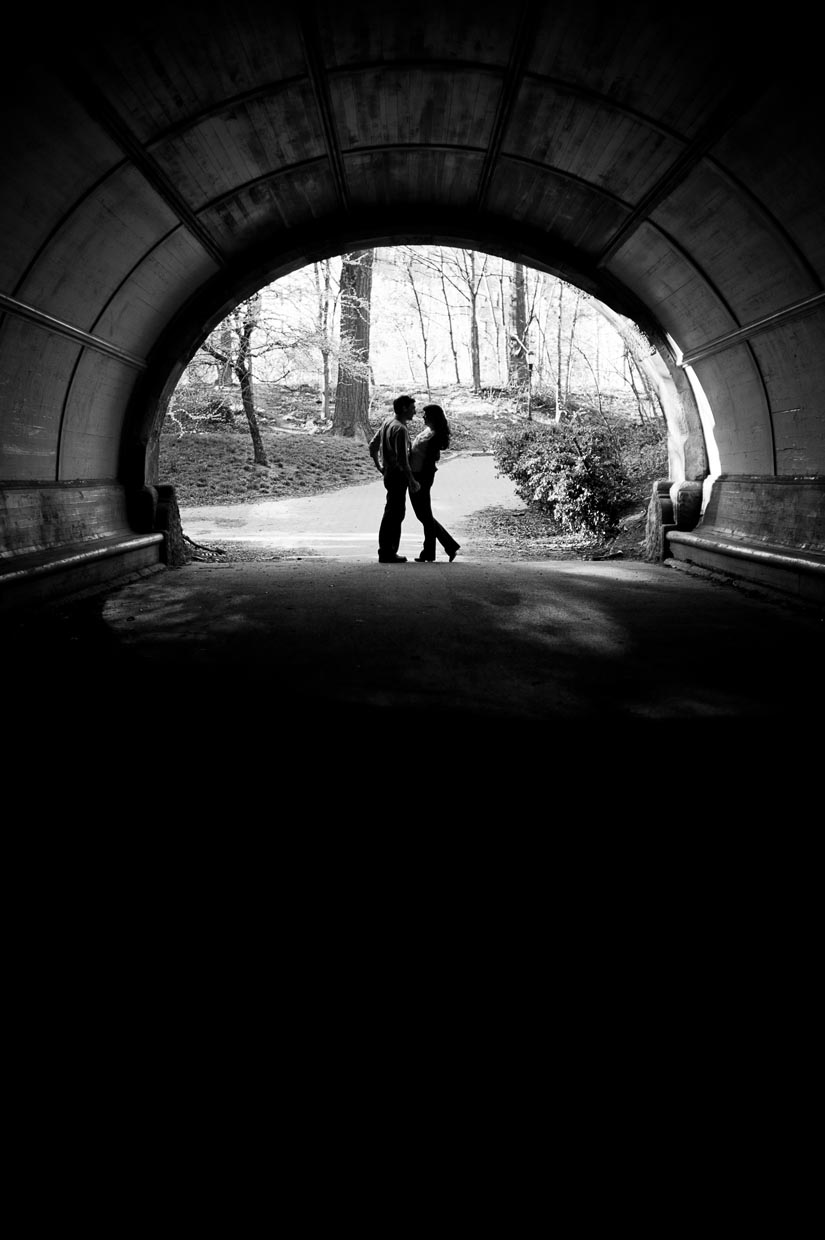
637	355
576	307
518	373
496	301
645	391
468	284
543	317
443	303
224	368
351	418
597	386
323	287
461	271
232	348
453	348
558	374
423	318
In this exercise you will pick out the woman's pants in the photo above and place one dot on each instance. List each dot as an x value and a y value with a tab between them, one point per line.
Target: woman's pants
422	507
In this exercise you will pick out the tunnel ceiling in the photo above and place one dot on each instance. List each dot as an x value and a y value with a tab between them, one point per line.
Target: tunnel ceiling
162	161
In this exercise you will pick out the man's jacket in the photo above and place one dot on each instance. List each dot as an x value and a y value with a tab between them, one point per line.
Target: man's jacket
392	442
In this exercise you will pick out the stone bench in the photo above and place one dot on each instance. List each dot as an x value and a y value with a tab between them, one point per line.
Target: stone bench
66	537
767	530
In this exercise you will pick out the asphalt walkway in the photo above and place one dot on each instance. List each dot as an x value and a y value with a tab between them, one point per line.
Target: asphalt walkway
326	653
344	523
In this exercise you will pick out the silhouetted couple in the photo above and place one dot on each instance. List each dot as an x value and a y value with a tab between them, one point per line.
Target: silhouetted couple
410	466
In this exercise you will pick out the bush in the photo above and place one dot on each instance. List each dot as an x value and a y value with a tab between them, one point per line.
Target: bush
582	473
199	406
643	448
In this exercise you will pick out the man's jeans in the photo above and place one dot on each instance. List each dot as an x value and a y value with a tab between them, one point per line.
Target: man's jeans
389	532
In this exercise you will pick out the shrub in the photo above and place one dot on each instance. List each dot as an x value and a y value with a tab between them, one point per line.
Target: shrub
643	448
199	406
577	472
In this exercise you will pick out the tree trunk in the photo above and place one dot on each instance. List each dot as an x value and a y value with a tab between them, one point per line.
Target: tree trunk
259	451
558	355
453	348
422	324
224	378
495	305
243	369
502	324
576	307
632	370
351	418
518	373
324	300
475	353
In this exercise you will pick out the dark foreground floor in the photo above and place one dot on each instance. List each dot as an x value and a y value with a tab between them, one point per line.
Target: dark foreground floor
319	662
237	797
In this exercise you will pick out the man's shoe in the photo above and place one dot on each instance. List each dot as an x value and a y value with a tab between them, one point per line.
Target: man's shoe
424	559
453	554
392	559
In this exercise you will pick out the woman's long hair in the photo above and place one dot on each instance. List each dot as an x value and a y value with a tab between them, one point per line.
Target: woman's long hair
434	415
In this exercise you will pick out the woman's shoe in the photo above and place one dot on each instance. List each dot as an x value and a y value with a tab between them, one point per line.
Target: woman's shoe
424	559
453	554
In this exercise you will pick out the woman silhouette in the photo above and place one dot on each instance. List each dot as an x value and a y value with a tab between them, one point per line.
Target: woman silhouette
425	452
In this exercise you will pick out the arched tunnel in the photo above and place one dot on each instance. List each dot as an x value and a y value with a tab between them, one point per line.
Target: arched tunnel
162	162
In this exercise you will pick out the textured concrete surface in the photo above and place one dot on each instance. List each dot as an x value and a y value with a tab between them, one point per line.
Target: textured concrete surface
583	668
602	679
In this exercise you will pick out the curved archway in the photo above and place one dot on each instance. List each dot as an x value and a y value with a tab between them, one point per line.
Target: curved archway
159	162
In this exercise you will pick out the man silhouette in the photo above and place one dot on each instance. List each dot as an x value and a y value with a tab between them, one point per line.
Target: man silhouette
390	450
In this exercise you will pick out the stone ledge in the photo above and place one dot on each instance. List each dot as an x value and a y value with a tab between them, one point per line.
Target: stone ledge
793	570
38	577
767	553
56	559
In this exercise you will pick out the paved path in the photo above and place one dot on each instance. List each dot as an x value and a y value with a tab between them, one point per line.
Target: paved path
537	677
344	524
553	658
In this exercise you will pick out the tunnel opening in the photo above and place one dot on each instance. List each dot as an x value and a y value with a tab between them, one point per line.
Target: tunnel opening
253	415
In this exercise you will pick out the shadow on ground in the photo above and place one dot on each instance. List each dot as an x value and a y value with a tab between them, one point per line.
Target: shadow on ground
581	668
